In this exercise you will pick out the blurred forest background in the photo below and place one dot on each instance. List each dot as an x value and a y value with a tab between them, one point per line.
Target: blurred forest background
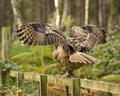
64	14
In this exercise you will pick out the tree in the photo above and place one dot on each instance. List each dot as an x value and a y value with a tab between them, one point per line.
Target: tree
5	9
114	13
17	14
102	14
66	12
34	17
86	11
45	10
80	4
57	14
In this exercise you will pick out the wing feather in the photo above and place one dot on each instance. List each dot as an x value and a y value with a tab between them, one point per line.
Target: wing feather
85	37
41	34
79	57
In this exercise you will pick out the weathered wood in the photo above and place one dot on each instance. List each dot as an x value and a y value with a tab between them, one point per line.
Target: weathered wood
101	86
5	43
56	79
31	76
42	86
59	80
4	78
13	73
74	83
19	82
67	90
76	87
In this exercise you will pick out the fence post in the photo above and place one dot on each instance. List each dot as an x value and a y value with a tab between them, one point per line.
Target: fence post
76	87
5	42
19	82
5	51
42	86
67	90
4	80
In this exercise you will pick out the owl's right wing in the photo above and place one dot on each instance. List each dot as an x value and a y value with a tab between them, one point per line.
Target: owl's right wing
40	34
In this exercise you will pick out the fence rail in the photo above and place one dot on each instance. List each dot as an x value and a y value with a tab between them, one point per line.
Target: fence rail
73	83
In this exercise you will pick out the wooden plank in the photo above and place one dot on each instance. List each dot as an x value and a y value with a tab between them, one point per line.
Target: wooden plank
27	75
101	86
42	86
13	73
76	87
31	76
56	79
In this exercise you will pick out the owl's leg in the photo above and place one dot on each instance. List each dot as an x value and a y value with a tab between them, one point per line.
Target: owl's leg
69	73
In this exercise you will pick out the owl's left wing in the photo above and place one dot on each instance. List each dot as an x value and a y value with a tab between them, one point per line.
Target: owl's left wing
85	37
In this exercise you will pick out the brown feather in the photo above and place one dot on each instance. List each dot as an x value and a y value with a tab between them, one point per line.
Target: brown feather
79	57
84	38
41	34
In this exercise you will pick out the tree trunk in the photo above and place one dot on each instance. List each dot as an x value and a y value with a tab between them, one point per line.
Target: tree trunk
86	11
16	11
96	11
57	13
80	4
5	13
34	16
40	11
102	15
66	12
114	14
50	7
43	10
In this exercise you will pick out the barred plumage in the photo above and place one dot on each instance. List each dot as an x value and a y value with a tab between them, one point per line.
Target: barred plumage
67	51
85	37
41	34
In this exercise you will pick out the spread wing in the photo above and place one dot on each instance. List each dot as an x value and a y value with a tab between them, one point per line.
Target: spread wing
41	34
83	58
85	37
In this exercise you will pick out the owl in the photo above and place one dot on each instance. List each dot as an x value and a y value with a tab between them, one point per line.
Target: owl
70	51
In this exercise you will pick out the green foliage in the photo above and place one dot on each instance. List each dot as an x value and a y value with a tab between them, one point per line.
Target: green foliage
31	57
109	54
55	69
5	65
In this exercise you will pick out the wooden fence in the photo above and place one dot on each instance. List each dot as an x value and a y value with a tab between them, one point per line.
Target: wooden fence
73	83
